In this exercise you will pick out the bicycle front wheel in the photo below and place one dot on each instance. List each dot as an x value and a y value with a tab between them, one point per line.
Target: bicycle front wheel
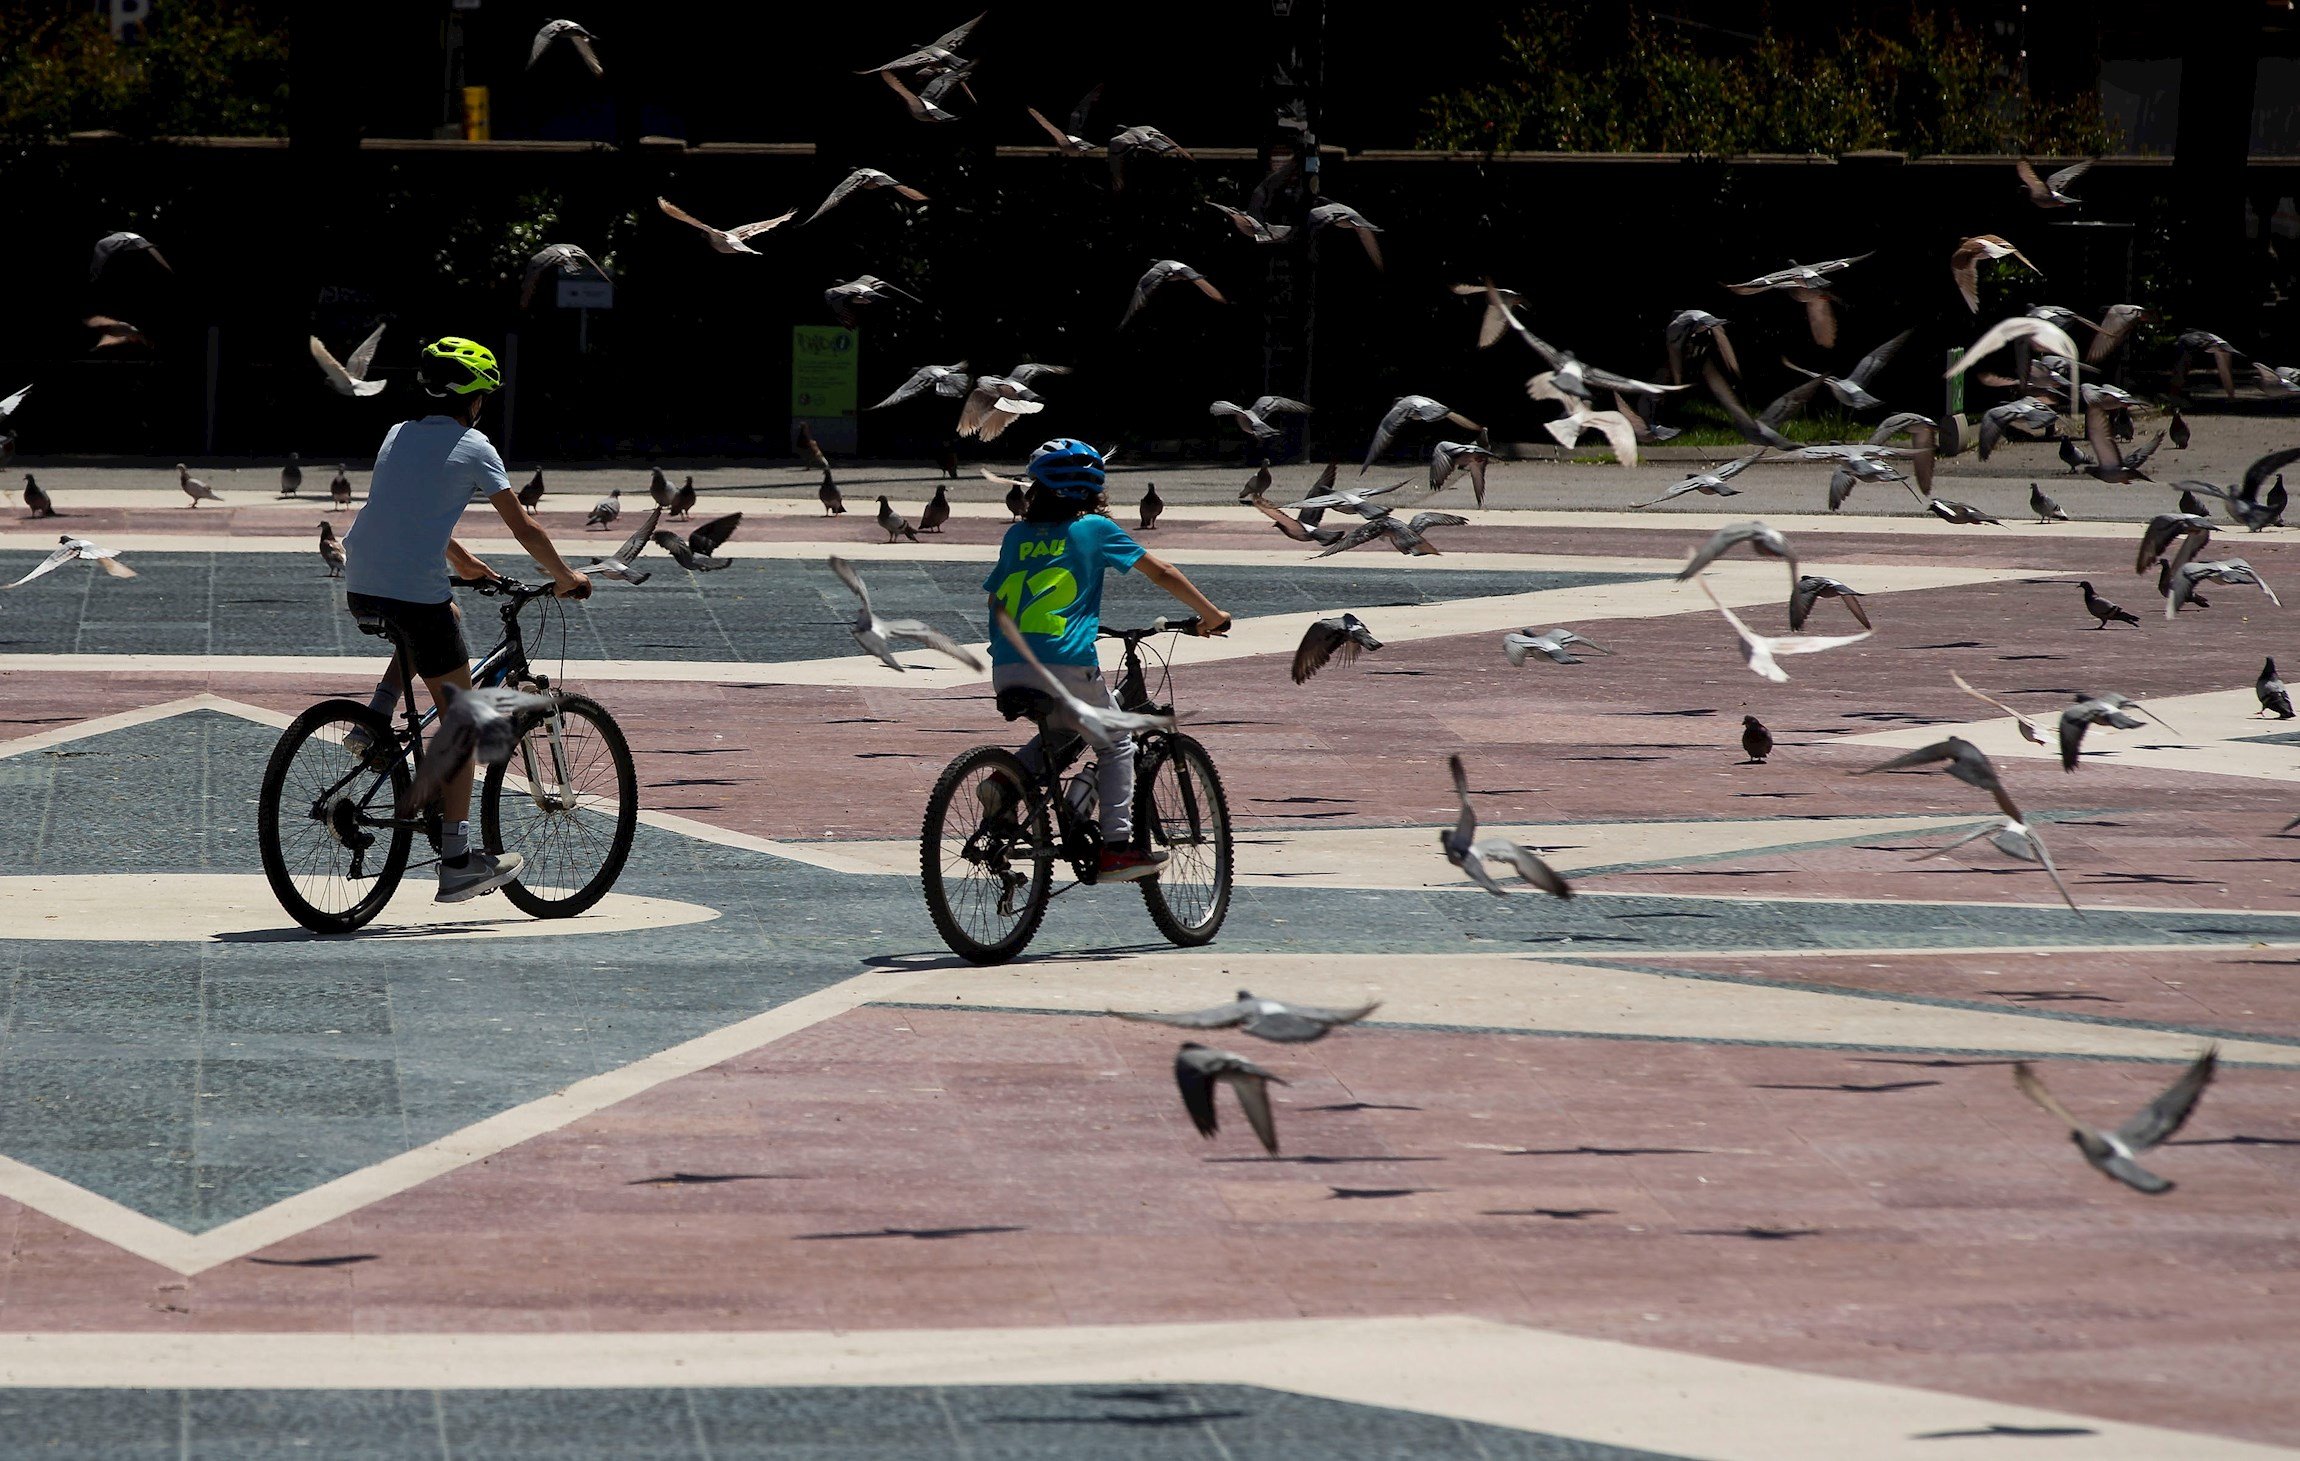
985	856
329	865
1179	809
568	803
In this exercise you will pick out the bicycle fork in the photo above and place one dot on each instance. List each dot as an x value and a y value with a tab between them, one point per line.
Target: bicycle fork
553	793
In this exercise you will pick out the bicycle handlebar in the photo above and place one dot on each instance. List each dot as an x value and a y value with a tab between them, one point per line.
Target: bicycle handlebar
518	592
1156	626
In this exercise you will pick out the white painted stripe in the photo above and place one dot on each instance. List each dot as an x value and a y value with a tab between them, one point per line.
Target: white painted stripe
1514	992
2213	739
1470	1369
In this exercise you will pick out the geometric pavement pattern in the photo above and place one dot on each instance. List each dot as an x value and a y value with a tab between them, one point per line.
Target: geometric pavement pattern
197	1082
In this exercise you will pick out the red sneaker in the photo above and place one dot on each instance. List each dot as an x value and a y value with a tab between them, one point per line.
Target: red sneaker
1126	865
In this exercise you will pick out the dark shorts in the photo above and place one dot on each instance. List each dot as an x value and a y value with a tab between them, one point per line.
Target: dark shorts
434	632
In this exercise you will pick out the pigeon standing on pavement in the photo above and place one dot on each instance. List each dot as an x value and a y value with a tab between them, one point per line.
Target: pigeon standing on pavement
2046	510
936	512
330	551
893	523
291	476
1756	741
1017	500
2104	611
1264	1019
36	498
1152	506
2274	698
193	487
1198	1069
2115	1153
605	510
532	493
1327	639
339	487
834	502
1465	850
659	487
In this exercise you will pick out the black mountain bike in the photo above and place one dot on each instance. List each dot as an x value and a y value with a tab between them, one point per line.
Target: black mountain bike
994	829
335	845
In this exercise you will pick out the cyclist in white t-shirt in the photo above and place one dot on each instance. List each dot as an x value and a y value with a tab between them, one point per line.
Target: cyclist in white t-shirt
403	550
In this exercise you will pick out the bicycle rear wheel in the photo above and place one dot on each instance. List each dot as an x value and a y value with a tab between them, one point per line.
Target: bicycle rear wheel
1179	809
569	807
985	889
330	870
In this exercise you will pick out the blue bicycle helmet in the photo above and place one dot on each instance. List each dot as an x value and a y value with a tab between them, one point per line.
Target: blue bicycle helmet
1067	468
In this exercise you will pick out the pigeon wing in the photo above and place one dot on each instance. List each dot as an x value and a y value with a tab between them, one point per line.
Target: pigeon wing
1197	1094
1320	643
1529	866
364	356
1220	1017
673	210
2166	1114
1254	1095
932	638
708	538
49	564
2031	1085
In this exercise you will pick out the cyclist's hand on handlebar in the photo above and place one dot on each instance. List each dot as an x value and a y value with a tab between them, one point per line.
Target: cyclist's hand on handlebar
1207	628
573	586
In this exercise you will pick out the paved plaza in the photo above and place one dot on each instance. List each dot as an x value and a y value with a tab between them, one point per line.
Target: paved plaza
1720	1160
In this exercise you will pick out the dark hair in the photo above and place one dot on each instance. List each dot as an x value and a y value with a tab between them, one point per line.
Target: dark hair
1041	505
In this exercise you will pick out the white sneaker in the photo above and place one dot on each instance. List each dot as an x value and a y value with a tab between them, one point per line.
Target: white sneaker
481	873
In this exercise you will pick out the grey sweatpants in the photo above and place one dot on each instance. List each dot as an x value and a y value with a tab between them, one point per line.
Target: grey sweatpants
1114	773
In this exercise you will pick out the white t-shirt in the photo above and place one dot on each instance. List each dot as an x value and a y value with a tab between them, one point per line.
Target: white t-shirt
425	475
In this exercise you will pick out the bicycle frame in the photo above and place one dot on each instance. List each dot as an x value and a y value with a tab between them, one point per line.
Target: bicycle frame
1076	841
505	663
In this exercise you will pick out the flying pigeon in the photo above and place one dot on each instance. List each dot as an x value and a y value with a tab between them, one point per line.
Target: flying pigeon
1465	850
1327	639
695	551
77	549
1264	1019
350	377
2115	1153
878	635
1198	1069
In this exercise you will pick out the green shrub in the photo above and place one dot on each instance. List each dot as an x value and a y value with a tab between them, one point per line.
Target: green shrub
200	67
1577	77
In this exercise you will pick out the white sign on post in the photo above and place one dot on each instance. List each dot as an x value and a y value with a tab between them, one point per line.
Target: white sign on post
127	15
586	293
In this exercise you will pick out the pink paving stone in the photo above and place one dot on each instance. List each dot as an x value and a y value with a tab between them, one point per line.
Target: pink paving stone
1140	1221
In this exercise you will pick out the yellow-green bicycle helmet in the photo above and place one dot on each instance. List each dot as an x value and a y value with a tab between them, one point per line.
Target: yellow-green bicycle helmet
452	365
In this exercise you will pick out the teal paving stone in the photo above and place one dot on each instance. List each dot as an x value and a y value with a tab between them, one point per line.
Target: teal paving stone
571	1425
339	1425
758	611
891	1423
91	1425
294	1002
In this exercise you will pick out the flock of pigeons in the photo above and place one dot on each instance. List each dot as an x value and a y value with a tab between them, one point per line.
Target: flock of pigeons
2051	381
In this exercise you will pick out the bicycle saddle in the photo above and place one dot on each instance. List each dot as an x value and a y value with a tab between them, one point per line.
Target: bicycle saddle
1020	702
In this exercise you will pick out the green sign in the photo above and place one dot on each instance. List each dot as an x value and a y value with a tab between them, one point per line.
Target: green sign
825	366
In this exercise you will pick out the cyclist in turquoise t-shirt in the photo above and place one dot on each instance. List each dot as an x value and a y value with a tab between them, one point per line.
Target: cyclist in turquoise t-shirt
1049	580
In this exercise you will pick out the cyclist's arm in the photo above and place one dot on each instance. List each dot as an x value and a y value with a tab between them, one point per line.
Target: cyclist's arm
538	544
1211	621
463	563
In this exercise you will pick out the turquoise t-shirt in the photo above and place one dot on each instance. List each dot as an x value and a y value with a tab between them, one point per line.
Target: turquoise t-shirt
1049	577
